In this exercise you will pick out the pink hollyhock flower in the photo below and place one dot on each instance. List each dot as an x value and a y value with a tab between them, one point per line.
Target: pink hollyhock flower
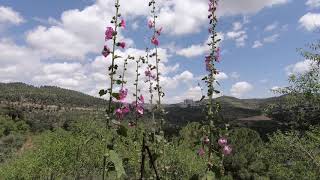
126	109
150	24
123	23
140	110
201	152
123	94
227	150
122	44
153	76
206	140
109	33
222	142
119	113
159	31
217	57
207	61
106	51
147	73
155	41
141	99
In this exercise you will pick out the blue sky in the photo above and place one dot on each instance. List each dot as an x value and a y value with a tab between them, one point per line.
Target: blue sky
45	42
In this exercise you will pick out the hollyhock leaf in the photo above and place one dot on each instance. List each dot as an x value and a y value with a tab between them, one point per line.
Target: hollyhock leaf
115	95
122	131
103	92
119	82
202	98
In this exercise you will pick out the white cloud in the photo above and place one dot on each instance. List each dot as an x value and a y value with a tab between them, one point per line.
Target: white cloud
310	21
271	38
232	7
271	27
9	16
268	39
238	34
235	75
240	88
257	44
275	88
299	68
198	49
221	76
313	3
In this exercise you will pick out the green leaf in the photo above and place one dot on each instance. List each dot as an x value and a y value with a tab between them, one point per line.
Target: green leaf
122	131
115	95
103	92
117	161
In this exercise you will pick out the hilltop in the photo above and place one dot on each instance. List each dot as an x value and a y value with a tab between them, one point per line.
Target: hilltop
47	95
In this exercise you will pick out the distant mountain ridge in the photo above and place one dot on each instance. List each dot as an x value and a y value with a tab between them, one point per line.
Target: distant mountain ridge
52	95
47	95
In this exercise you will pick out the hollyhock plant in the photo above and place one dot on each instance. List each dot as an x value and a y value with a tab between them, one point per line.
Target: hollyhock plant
206	140
222	141
123	23
123	94
150	24
201	152
217	57
109	33
121	44
227	150
106	51
155	41
159	31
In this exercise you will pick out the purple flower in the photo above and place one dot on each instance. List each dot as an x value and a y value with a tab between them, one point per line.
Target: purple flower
217	57
150	24
141	99
121	44
140	110
106	51
222	142
208	63
119	113
201	152
155	41
123	23
159	31
123	94
109	33
147	73
227	150
206	140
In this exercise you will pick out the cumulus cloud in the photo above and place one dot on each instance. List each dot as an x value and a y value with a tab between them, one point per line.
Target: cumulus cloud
240	88
198	49
9	16
238	34
299	68
244	7
235	75
313	3
310	21
271	27
257	44
268	39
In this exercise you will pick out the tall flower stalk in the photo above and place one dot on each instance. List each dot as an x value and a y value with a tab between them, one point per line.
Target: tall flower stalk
212	110
139	99
150	78
111	34
155	41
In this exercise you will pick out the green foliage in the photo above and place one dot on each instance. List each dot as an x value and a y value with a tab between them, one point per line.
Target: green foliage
49	95
293	156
